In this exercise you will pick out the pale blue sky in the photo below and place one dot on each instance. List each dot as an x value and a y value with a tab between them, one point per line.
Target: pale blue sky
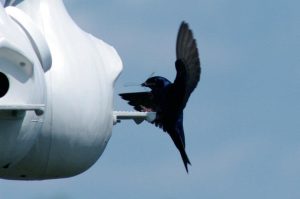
241	123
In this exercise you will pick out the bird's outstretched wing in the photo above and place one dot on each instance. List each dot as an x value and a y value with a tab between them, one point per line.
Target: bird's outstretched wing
141	101
144	101
187	63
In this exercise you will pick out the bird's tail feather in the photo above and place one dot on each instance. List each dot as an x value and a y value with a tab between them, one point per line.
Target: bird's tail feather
185	159
178	142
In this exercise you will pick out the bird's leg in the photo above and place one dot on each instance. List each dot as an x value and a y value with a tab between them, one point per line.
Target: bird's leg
145	109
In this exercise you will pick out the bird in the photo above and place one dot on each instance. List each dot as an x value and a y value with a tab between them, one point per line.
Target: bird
168	99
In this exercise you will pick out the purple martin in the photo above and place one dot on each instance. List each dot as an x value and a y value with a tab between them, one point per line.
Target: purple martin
169	99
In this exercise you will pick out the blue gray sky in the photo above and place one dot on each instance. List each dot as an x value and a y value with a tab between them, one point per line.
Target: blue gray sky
241	123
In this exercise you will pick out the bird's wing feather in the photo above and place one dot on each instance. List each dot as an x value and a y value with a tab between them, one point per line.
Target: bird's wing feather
187	63
141	101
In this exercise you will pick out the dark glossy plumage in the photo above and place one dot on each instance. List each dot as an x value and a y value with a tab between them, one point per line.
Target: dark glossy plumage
169	99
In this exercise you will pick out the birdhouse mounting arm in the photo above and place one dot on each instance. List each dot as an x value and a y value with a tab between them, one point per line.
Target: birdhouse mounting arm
136	116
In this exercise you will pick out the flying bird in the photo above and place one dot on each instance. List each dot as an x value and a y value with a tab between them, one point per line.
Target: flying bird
169	99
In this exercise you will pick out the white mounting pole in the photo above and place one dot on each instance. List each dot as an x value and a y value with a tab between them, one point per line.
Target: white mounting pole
138	117
37	108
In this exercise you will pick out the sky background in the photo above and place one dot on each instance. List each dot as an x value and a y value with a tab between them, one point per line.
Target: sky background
241	123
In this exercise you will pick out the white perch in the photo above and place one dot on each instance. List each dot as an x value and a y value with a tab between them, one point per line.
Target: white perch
137	117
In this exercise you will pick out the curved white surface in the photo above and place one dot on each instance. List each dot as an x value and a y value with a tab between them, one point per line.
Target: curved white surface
37	39
26	86
78	117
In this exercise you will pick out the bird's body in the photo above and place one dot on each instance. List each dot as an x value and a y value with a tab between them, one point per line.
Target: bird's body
169	99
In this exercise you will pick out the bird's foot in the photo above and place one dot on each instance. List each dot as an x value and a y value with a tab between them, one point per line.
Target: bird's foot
145	109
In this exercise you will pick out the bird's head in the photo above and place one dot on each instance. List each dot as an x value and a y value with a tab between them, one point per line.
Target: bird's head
156	82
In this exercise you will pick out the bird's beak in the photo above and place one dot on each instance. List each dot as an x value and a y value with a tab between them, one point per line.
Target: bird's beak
144	84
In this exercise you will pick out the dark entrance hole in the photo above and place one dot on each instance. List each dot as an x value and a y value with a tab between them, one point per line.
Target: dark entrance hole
4	84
